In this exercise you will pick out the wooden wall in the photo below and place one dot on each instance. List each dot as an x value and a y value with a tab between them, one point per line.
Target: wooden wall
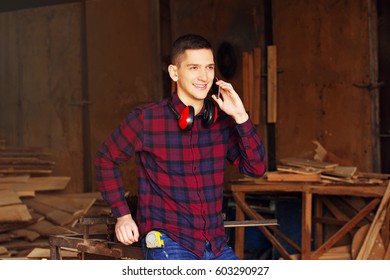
69	73
124	68
40	81
324	50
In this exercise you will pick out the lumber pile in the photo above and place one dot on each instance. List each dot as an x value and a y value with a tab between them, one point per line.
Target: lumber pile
34	208
34	204
324	167
24	160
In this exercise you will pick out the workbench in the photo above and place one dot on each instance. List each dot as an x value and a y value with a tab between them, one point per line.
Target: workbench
309	192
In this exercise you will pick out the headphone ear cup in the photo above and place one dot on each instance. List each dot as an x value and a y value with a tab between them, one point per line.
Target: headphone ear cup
186	120
210	114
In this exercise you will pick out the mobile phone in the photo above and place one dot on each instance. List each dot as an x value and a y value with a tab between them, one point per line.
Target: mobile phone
214	88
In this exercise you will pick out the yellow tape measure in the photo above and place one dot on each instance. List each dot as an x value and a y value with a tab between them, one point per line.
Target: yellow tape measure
153	240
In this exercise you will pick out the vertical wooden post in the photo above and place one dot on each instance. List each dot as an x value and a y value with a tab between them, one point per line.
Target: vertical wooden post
271	85
256	98
307	198
240	231
319	228
245	81
250	83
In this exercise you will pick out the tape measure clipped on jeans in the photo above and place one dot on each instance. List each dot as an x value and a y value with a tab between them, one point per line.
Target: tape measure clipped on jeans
153	240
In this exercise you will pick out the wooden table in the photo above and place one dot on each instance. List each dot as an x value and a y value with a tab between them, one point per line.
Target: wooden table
240	189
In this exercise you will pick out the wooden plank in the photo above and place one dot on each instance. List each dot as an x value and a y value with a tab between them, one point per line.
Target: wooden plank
307	198
292	177
25	193
387	255
251	84
44	253
256	98
19	245
4	252
378	250
298	170
45	228
301	162
70	204
375	227
14	213
342	171
337	253
53	215
26	234
271	84
14	179
245	81
318	227
8	198
240	233
48	183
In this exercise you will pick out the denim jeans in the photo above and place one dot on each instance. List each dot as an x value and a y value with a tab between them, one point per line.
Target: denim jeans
174	251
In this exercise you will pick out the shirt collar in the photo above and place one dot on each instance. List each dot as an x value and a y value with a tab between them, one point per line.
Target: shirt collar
179	105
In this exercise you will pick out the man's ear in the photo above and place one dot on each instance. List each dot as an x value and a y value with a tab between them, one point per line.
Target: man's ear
172	70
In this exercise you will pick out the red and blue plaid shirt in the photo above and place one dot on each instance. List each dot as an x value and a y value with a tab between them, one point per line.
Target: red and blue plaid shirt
180	173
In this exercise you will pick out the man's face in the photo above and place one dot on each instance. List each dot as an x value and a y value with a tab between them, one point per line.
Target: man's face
195	75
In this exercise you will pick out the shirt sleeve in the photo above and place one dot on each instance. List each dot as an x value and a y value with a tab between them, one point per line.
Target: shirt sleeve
119	147
247	151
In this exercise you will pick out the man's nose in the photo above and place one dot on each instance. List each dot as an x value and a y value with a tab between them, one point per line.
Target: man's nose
203	75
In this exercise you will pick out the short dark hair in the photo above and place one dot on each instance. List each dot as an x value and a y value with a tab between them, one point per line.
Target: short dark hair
188	42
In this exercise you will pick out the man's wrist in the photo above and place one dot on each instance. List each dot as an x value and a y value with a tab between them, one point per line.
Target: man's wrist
125	217
241	118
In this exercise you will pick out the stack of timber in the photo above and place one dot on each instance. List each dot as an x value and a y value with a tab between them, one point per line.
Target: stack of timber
34	204
325	167
295	170
34	208
25	160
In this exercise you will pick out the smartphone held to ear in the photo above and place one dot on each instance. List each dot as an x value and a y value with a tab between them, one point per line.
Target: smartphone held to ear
215	89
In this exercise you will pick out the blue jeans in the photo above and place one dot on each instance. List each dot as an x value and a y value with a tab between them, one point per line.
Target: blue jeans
174	251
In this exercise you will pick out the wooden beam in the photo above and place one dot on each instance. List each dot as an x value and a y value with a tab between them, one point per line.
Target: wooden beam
8	198
375	227
271	84
256	98
14	213
245	81
307	198
240	232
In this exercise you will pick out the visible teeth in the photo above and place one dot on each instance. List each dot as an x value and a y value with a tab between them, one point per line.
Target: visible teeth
200	86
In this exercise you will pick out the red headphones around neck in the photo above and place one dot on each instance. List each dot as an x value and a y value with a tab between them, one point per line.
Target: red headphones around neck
186	117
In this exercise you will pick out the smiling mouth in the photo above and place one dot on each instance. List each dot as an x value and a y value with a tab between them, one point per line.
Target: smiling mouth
201	86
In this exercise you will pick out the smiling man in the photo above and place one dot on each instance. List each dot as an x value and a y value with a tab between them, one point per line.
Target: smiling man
182	145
